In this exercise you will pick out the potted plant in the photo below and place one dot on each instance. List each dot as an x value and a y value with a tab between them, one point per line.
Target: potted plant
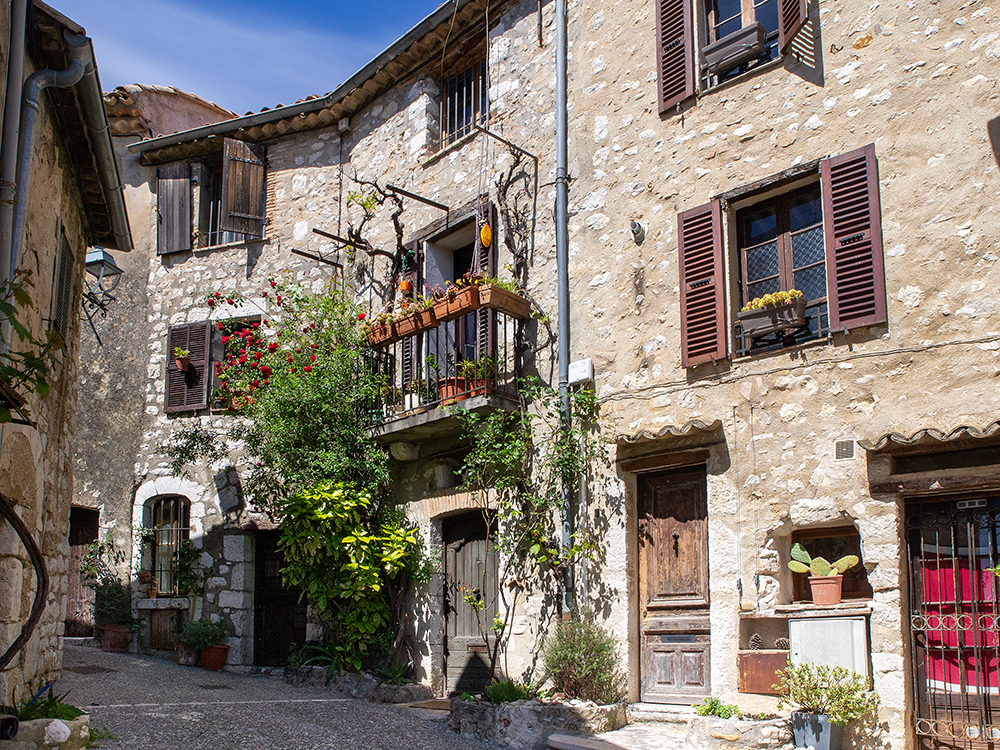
194	637
458	298
182	357
112	596
382	330
773	312
505	297
827	698
479	374
414	395
215	650
825	579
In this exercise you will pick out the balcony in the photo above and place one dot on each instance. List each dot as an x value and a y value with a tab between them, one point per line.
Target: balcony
471	362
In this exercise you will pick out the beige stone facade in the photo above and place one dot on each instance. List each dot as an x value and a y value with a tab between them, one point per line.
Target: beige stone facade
774	431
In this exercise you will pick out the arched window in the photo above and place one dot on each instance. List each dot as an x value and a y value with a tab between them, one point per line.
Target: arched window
171	523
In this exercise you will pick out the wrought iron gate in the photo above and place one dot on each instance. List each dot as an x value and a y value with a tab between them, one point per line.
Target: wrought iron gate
955	620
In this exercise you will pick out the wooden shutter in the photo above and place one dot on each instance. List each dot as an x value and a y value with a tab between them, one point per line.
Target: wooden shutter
188	390
852	227
703	308
410	346
173	208
243	187
792	16
675	52
486	261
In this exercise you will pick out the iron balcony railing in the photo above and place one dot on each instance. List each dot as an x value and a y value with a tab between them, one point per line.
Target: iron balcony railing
471	356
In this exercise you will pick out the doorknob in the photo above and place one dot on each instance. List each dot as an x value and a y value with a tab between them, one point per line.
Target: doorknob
677	538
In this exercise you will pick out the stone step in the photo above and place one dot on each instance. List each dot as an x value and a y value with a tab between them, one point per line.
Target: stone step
660	712
576	742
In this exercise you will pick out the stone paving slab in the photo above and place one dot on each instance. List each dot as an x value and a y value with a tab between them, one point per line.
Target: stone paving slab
648	736
154	704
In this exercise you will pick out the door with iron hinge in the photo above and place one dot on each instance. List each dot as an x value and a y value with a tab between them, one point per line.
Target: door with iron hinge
953	546
672	532
470	575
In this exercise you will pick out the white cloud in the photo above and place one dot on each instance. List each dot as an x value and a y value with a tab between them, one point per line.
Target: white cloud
242	62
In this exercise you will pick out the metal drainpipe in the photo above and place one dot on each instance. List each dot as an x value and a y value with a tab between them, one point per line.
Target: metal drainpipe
562	270
8	139
33	87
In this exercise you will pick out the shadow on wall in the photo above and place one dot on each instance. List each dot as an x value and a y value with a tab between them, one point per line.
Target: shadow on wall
993	128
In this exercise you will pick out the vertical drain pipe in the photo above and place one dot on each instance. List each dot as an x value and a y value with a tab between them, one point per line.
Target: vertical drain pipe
33	87
562	270
11	127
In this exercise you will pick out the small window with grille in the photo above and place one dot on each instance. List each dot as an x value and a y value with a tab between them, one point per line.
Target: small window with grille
62	306
171	527
465	92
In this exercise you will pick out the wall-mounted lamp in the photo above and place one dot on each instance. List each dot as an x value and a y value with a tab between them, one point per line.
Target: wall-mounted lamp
638	230
101	265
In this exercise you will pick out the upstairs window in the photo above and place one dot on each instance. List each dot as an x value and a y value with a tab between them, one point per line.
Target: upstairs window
729	38
465	92
187	389
213	202
823	238
62	286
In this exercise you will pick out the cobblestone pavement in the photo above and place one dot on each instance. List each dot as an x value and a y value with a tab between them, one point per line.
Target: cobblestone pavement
153	704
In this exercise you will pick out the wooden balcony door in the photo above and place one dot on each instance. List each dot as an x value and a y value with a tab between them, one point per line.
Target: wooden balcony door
673	586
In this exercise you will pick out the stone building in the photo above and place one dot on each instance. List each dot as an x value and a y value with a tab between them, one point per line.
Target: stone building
849	151
65	199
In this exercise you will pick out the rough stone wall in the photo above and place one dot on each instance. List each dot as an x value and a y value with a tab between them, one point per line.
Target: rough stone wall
36	463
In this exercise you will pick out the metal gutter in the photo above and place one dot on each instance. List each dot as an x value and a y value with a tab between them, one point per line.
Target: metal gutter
435	19
11	127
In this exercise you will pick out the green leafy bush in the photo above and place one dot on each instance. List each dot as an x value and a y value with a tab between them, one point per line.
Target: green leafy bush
715	707
836	692
581	659
200	633
507	691
112	596
51	707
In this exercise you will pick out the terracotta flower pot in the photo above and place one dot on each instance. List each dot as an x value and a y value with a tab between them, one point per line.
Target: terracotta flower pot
495	298
452	306
405	286
451	390
182	363
214	657
481	386
826	590
115	639
382	334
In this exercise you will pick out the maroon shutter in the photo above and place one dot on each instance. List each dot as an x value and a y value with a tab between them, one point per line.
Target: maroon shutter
675	53
703	308
409	346
852	226
243	187
793	15
173	208
188	390
486	261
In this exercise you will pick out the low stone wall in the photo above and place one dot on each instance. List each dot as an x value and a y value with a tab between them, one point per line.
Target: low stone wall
528	724
713	733
358	685
50	734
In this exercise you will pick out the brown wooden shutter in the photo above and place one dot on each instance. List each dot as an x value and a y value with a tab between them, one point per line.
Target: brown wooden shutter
852	227
675	52
793	15
486	261
173	208
188	390
410	346
703	307
243	187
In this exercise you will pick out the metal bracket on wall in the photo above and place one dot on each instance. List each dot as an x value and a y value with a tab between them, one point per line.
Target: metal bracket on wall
414	196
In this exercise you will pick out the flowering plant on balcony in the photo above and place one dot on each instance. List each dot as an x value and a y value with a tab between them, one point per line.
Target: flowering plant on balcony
773	299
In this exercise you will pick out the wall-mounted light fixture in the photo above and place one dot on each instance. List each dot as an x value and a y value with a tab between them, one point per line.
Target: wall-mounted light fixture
101	265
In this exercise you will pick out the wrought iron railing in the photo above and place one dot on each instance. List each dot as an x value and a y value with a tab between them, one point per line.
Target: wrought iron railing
471	356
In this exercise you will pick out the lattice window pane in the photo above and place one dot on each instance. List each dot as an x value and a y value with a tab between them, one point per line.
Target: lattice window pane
808	248
762	263
811	282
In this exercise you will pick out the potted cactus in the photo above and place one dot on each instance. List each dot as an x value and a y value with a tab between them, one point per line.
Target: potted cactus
825	578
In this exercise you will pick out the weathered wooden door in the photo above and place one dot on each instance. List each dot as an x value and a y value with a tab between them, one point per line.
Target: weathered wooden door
279	616
84	525
470	569
673	586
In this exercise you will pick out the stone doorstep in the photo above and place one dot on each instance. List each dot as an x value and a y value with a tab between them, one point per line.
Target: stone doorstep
573	742
659	712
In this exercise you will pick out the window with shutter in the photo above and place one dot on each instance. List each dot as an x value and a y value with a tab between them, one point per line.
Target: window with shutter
732	38
243	188
173	208
62	288
822	236
486	262
187	390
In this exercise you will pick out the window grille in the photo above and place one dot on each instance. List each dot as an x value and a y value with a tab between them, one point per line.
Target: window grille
464	96
171	527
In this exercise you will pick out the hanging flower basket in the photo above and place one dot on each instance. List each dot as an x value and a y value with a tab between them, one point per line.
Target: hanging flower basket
761	321
456	304
416	322
509	303
382	334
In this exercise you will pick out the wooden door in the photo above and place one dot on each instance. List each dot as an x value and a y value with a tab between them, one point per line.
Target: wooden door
279	616
84	526
673	586
470	568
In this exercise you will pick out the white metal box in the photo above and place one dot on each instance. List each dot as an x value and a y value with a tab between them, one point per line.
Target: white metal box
830	641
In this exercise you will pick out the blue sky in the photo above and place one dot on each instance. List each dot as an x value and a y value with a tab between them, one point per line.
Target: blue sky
243	55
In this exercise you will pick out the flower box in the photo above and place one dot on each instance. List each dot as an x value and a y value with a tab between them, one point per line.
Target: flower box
771	318
382	334
496	298
416	322
452	306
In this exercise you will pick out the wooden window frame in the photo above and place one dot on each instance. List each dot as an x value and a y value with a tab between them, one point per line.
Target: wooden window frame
855	586
175	531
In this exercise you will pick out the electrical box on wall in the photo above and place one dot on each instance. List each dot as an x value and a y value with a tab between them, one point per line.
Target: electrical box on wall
830	641
581	371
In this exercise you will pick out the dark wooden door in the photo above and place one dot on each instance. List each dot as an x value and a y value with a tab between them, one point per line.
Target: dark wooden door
470	569
84	526
279	616
673	586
